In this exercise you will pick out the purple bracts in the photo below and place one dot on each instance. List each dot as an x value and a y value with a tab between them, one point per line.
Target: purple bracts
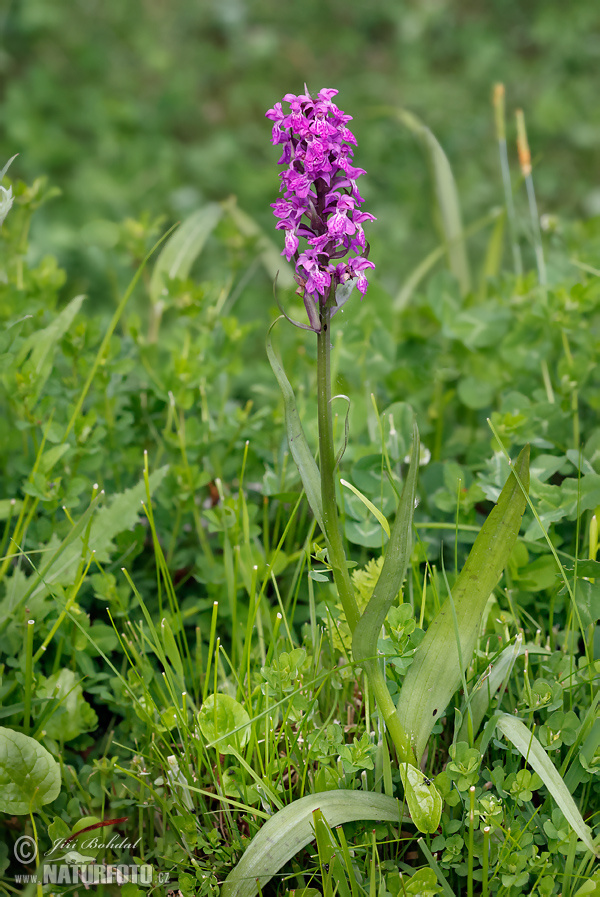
320	200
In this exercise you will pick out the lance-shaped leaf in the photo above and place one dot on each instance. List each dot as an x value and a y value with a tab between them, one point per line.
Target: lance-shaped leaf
439	663
368	628
301	453
446	195
527	744
291	829
183	248
495	676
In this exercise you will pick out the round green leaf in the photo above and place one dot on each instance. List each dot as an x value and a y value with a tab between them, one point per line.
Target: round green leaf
29	775
423	799
218	719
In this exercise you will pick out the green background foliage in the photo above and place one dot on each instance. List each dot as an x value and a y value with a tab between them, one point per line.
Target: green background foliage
159	107
131	116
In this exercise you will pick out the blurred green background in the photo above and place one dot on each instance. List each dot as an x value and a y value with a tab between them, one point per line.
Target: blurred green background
155	106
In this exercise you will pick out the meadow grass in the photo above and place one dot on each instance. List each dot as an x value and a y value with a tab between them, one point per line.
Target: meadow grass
173	644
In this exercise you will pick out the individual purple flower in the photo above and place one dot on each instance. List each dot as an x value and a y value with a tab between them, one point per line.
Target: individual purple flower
320	201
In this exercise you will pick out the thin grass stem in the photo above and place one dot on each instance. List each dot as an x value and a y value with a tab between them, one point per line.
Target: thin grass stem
525	162
28	676
500	119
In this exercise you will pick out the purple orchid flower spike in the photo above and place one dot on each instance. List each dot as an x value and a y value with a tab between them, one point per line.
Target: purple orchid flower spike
321	202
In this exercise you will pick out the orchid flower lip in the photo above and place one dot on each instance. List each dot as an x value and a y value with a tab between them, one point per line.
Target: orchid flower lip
320	202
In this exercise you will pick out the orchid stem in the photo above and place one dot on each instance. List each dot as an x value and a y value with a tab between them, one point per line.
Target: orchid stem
333	538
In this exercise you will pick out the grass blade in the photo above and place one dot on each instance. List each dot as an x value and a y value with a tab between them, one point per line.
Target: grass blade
498	675
291	829
447	890
381	519
527	744
436	671
368	628
332	870
446	196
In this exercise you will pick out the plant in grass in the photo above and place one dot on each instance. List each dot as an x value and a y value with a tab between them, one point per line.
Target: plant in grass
312	134
196	805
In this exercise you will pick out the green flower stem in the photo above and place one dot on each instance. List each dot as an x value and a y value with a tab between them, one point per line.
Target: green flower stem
333	538
387	708
335	548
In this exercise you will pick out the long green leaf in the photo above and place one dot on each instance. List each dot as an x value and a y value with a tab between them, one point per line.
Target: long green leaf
417	274
446	196
369	505
439	662
301	453
368	628
332	870
527	744
36	356
490	682
291	829
183	247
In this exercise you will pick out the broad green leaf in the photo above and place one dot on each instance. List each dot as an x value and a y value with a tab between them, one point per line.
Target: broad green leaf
475	392
291	829
422	797
446	196
183	248
301	453
422	884
29	774
587	598
590	888
37	352
58	830
527	744
368	628
439	662
219	718
73	715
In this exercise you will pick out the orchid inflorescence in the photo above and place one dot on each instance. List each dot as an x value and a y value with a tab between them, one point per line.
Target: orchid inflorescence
321	201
